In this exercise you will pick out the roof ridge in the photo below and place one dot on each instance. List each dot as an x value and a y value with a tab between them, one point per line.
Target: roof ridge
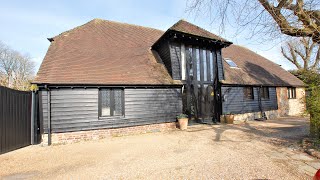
75	28
191	24
208	33
117	22
98	20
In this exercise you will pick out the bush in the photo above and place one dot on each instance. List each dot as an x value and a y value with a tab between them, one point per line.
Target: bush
313	107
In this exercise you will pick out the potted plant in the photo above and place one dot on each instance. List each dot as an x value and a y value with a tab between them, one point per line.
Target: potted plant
229	118
183	121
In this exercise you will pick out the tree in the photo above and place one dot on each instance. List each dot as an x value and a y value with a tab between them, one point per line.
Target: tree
297	18
16	70
303	53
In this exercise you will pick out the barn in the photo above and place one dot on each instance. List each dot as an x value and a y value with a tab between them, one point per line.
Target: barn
107	77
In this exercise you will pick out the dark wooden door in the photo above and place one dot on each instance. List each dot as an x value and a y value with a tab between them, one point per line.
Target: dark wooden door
201	78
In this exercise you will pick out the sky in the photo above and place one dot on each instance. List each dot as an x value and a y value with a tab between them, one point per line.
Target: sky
26	25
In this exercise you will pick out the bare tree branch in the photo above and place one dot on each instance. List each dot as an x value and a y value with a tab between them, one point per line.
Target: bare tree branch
304	54
297	18
16	70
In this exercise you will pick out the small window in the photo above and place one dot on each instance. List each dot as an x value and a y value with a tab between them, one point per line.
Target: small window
248	93
291	93
264	92
111	102
231	63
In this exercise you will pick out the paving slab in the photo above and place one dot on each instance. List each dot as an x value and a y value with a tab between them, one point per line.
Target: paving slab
315	164
302	157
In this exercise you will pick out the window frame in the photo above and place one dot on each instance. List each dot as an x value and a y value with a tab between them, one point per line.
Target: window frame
245	93
292	93
264	92
112	102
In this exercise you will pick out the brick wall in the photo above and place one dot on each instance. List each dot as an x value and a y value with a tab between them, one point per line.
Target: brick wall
72	137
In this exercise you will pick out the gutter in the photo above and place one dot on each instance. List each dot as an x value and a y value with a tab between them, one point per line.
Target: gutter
46	86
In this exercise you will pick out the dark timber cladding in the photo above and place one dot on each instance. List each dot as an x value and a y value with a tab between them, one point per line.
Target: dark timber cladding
175	54
15	119
77	109
165	52
235	102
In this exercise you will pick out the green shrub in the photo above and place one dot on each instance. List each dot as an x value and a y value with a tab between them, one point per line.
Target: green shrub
313	107
181	116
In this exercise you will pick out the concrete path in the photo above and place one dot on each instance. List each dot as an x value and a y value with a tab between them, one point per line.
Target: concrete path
254	150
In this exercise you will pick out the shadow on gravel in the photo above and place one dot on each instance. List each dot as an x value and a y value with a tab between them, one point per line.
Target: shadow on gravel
283	131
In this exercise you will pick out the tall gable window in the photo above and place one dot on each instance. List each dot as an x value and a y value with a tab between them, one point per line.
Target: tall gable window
248	93
264	92
111	102
291	93
231	63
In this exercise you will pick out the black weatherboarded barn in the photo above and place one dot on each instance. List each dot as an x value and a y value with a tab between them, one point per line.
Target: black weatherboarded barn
106	74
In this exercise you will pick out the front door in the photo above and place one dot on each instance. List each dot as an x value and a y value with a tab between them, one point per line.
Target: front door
199	93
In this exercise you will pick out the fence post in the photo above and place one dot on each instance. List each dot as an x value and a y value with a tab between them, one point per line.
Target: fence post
49	117
32	116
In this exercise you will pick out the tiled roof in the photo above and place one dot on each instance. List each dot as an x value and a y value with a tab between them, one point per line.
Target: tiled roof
255	69
188	28
112	53
104	52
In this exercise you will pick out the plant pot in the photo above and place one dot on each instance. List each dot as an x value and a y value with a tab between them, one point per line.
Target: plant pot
229	118
183	123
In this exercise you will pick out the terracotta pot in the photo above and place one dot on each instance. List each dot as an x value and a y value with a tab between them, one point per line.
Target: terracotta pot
229	118
183	123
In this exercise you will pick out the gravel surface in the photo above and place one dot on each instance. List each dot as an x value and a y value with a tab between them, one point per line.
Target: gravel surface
254	150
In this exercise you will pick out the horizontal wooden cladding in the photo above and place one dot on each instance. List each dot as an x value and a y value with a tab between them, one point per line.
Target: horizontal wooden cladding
153	103
235	102
71	107
77	109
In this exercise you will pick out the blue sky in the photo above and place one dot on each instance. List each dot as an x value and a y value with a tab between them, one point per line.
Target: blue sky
26	25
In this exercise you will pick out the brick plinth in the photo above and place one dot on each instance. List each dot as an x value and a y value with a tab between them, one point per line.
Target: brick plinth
72	137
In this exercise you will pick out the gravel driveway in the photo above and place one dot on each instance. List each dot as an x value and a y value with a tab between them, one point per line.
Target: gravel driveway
254	150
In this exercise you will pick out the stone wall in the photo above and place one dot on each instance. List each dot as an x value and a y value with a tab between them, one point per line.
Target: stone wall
283	103
273	114
72	137
297	106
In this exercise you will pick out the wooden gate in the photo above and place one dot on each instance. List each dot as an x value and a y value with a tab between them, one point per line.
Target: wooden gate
15	119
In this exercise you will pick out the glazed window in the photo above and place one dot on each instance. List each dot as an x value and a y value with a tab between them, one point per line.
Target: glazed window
231	63
248	93
264	92
197	64
111	102
291	93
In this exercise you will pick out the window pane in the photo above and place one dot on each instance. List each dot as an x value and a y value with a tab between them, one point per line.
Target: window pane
264	91
231	63
198	63
117	102
248	93
190	63
105	103
204	61
211	65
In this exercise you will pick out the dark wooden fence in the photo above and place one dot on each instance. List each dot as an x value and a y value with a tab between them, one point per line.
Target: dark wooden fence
15	119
